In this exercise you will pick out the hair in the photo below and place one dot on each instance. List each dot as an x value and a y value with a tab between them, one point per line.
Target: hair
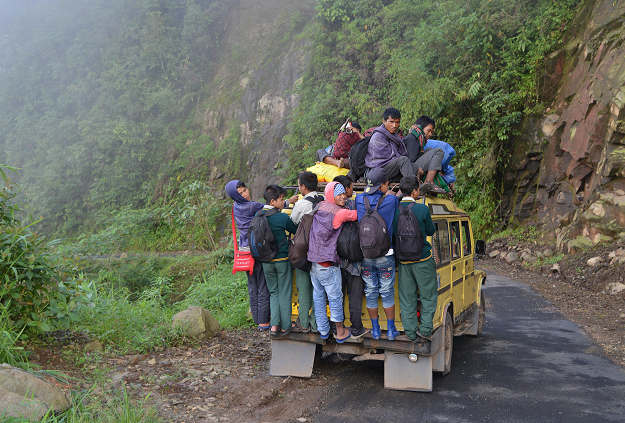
240	184
344	180
357	126
309	180
391	112
408	184
273	192
424	121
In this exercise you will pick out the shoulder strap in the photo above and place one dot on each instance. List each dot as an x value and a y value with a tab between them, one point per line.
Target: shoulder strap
269	212
234	233
367	204
379	202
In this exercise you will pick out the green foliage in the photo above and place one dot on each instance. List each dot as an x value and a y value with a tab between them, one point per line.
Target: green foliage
127	326
221	292
546	261
520	234
473	67
36	290
10	352
196	214
92	94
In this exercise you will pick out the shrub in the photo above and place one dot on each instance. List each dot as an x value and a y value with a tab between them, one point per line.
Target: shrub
32	289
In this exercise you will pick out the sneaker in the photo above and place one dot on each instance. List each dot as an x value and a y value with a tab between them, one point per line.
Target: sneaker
357	333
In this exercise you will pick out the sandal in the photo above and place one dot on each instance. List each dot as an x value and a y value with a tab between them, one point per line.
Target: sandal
437	190
264	327
286	332
349	334
300	328
273	333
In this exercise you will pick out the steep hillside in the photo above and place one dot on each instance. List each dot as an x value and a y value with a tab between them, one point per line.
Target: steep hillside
264	54
567	170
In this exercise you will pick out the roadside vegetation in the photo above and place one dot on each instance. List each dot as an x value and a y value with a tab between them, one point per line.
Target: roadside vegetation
81	290
476	67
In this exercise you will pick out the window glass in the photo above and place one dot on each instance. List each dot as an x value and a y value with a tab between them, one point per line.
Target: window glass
467	242
440	244
454	228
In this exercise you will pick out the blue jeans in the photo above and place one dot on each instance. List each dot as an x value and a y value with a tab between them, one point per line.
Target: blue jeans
379	277
327	281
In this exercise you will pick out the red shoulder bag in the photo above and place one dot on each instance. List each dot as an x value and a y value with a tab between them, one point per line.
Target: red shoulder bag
243	260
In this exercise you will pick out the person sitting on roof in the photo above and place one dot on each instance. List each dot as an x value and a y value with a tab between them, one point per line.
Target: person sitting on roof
338	153
428	162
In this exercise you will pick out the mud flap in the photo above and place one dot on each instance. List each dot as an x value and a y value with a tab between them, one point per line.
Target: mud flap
292	358
475	318
402	374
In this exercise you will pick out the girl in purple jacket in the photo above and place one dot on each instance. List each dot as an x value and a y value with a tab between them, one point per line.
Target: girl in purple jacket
325	273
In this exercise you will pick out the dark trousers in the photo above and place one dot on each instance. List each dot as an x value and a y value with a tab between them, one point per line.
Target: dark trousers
259	294
355	287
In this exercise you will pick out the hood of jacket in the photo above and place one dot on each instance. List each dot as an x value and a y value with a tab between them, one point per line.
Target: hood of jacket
231	190
328	204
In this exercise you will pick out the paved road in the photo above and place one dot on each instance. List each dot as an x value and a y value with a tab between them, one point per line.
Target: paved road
530	365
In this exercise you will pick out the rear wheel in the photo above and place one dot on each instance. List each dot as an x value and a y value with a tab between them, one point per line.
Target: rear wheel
448	343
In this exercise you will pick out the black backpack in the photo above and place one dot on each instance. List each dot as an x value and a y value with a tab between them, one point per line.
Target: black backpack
298	245
408	238
357	156
263	245
315	200
348	244
374	239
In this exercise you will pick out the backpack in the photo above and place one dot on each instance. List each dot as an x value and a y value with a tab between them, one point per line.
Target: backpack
315	200
348	244
298	245
263	244
408	238
374	239
357	156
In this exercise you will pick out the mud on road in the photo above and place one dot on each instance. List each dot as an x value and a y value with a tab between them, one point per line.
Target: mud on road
225	379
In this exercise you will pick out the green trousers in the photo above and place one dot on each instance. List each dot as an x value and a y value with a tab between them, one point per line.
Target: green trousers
279	277
419	277
305	298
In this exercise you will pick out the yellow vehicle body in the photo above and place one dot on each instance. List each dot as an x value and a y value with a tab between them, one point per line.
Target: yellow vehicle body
459	284
407	365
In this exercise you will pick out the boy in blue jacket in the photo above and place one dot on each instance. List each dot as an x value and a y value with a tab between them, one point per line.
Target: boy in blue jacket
379	273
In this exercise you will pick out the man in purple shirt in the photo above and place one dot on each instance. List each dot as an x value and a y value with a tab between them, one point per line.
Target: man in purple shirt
388	151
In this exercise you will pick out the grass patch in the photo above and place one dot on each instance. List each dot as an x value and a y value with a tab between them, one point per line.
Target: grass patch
10	352
88	407
140	321
521	234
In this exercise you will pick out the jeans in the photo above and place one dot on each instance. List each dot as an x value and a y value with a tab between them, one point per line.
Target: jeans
326	281
379	277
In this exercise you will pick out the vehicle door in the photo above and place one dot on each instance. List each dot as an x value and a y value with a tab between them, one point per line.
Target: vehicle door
440	253
457	266
470	291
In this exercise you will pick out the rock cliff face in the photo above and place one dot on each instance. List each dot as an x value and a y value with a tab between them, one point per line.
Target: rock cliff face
264	55
567	171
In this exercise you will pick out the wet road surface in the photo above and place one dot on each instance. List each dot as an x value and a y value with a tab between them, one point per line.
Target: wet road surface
530	365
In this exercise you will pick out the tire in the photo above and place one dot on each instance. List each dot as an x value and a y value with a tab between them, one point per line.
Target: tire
448	343
482	316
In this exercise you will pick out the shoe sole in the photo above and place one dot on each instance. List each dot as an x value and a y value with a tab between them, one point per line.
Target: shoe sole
361	335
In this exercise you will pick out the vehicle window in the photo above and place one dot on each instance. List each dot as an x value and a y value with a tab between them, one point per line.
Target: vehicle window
440	244
454	228
467	242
